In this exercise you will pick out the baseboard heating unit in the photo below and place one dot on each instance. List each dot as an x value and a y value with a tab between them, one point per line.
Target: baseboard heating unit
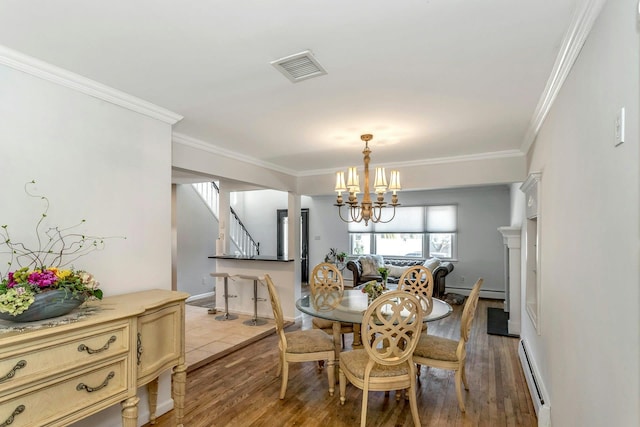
536	387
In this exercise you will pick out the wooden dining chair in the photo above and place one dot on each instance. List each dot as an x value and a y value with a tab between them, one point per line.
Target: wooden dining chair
390	331
445	353
419	281
310	345
327	279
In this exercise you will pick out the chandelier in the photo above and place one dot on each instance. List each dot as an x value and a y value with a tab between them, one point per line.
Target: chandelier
366	210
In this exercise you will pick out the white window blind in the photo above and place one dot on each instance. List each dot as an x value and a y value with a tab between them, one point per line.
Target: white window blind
442	219
408	219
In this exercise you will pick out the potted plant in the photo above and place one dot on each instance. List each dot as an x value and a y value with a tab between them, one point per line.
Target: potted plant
44	284
341	257
384	272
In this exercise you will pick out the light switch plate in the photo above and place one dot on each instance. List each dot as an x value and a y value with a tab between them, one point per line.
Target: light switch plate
619	128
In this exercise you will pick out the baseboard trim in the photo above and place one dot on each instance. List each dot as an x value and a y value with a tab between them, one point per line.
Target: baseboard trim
483	294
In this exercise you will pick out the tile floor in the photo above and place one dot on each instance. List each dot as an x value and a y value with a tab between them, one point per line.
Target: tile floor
207	339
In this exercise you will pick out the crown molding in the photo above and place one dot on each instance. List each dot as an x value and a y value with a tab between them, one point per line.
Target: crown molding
575	37
62	77
430	162
199	144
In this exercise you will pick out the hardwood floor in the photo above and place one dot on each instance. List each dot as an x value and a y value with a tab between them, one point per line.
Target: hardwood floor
241	389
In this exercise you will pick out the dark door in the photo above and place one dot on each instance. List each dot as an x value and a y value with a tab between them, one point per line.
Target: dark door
304	240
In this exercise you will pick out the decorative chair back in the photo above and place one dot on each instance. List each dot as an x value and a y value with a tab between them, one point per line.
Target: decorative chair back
391	328
277	310
327	277
469	311
418	280
326	286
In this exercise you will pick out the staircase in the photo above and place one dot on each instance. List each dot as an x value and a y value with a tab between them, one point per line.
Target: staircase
238	233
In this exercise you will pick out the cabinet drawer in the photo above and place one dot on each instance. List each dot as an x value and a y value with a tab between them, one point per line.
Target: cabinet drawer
99	387
26	362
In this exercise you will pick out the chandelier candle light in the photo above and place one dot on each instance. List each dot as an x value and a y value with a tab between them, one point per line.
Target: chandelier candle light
367	210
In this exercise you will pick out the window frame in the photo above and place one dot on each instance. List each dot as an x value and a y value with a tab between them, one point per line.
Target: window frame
425	245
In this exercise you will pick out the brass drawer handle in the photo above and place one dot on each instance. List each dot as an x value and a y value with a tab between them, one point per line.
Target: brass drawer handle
83	386
21	364
16	412
89	350
139	349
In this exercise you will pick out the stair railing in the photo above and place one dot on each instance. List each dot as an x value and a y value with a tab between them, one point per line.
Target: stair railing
239	235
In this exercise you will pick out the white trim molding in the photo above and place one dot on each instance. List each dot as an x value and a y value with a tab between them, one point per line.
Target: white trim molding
199	144
575	37
62	77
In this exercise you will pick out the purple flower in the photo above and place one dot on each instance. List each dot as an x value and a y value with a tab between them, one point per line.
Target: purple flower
43	279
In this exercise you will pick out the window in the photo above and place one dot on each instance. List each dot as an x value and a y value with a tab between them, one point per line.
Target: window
417	231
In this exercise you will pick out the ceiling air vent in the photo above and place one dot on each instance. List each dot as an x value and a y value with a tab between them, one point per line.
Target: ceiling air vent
300	66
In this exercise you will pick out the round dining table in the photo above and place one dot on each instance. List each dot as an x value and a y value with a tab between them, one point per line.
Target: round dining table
349	307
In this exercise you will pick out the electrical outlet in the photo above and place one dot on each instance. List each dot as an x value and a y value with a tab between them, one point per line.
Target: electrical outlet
204	281
461	279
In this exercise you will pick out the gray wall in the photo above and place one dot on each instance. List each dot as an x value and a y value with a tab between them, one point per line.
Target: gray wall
481	210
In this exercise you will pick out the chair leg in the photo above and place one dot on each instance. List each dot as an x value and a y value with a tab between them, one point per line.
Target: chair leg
413	401
343	385
285	378
280	362
464	377
458	377
365	401
331	373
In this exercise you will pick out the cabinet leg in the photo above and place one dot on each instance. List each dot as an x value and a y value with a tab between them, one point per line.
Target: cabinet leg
152	391
130	412
179	390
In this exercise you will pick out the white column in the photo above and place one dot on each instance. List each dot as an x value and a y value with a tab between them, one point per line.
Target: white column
224	213
511	239
294	239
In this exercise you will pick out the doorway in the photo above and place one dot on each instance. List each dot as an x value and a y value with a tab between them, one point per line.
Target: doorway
282	230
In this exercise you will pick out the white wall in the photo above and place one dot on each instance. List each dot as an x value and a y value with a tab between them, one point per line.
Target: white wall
435	174
94	161
588	350
517	204
197	231
259	215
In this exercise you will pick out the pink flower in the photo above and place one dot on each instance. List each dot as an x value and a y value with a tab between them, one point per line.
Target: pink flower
43	279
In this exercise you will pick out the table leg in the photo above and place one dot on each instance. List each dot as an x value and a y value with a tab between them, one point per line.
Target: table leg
152	391
130	412
357	341
337	341
179	390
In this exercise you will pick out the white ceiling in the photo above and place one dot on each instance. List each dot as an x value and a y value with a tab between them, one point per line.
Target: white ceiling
429	78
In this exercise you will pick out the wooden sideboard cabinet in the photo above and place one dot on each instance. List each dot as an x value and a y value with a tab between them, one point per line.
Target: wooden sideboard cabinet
55	376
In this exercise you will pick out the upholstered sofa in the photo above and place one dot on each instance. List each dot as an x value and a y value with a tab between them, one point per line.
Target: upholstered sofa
364	269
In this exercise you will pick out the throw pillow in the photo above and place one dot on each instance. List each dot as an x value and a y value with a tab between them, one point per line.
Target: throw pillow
369	266
378	260
396	271
432	263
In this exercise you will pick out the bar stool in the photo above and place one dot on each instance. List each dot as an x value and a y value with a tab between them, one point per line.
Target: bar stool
226	315
255	321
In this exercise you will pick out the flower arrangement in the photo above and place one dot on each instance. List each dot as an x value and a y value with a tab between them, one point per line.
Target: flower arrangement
373	289
42	269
